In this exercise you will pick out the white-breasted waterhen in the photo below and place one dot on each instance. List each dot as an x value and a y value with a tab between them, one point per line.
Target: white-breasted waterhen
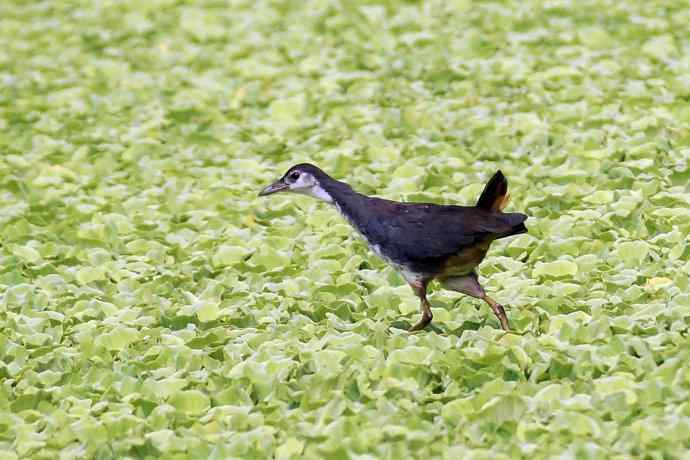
423	241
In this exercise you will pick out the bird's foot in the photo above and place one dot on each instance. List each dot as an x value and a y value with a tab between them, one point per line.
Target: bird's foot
512	332
400	325
421	324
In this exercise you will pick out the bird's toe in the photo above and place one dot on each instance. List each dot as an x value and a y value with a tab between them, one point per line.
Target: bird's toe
421	324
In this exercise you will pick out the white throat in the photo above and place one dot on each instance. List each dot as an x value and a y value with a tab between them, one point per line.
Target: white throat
315	191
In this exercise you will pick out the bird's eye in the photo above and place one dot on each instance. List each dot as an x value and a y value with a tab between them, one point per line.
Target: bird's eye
294	176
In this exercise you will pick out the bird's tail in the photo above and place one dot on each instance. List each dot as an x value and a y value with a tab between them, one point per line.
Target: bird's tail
495	195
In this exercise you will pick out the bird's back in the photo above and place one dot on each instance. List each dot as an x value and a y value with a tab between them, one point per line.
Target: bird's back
422	236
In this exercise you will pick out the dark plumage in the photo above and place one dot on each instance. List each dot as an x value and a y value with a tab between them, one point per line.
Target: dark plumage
422	240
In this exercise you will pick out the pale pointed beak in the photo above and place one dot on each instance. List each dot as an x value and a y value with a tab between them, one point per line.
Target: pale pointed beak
275	187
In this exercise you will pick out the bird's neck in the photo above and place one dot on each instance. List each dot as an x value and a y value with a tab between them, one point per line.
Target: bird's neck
334	192
346	200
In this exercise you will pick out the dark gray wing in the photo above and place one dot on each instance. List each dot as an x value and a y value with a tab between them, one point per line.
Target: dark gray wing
418	234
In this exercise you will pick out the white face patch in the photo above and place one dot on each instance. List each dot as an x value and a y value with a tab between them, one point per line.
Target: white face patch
306	184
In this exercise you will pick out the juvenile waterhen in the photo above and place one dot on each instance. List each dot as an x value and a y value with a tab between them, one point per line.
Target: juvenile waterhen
423	241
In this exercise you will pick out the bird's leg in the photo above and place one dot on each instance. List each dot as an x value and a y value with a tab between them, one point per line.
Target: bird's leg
419	288
469	284
498	311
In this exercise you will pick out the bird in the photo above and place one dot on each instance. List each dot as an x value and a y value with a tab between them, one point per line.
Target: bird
422	241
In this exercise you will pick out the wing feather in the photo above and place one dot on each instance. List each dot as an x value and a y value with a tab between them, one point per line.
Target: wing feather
421	233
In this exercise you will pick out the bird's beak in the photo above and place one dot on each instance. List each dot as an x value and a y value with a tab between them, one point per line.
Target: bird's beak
275	187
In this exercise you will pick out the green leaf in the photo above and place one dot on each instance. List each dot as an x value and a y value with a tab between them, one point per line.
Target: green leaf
411	355
287	110
162	439
631	253
229	255
119	338
558	268
617	383
27	254
504	409
191	402
208	310
291	448
600	197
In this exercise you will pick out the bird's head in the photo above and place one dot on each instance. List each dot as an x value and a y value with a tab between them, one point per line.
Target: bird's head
304	178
